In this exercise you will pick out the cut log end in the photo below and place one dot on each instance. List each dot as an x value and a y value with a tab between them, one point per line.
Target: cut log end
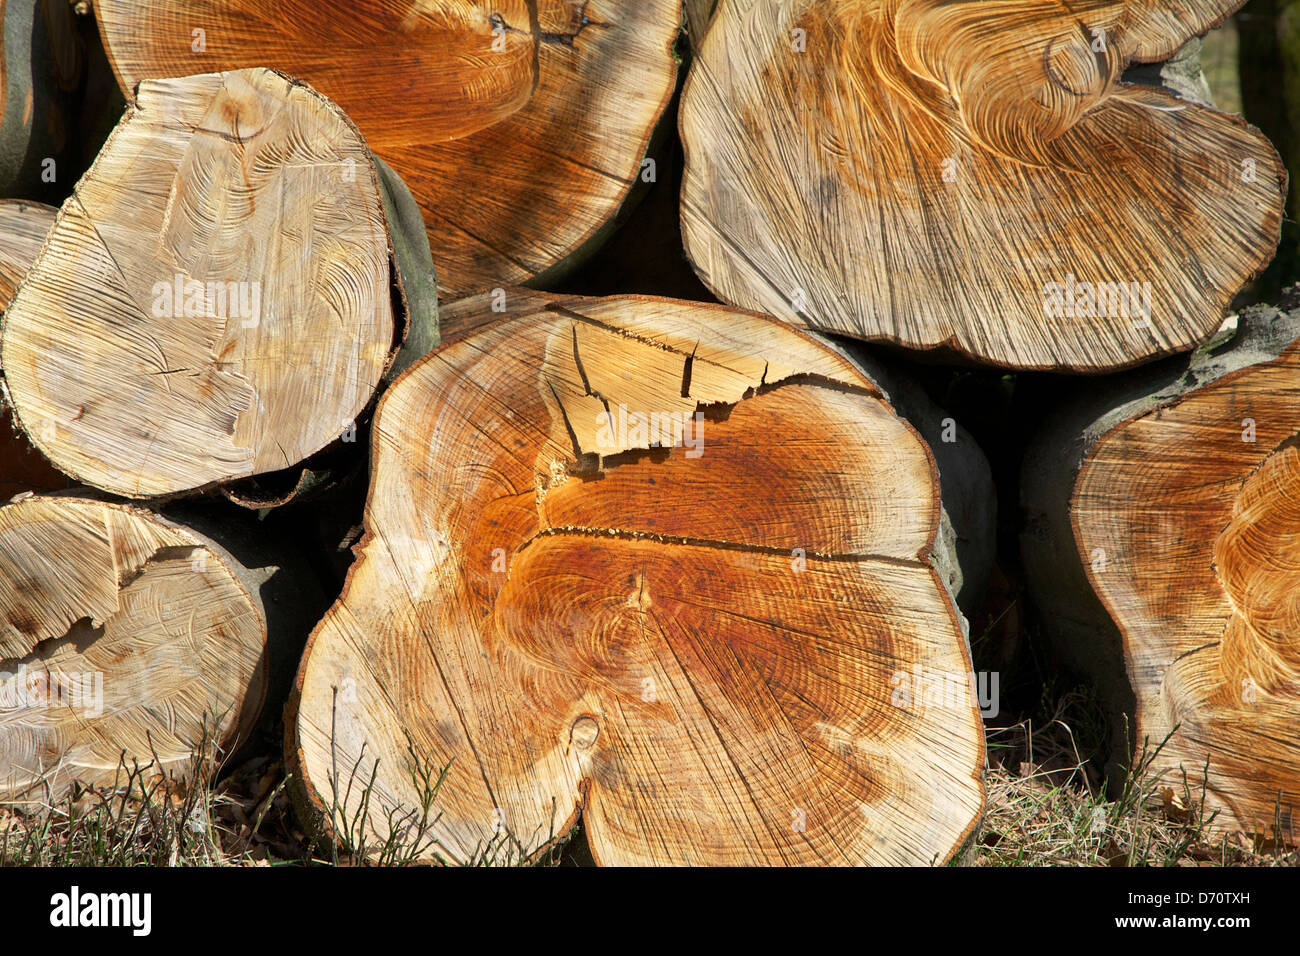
950	148
470	66
125	640
1186	518
23	228
214	300
659	563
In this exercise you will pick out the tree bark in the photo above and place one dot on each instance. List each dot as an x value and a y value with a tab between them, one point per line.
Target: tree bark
41	63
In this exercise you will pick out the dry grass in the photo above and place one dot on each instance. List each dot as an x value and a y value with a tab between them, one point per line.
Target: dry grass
1047	806
149	819
411	832
246	819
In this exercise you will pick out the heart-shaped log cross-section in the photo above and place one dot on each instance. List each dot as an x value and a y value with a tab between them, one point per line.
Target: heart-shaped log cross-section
660	563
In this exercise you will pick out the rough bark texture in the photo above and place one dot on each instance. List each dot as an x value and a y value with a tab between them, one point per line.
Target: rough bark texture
702	654
1161	549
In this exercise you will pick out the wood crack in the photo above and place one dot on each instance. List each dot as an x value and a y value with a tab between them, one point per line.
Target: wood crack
719	544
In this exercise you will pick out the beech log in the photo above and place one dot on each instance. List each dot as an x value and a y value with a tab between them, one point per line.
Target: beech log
216	298
125	640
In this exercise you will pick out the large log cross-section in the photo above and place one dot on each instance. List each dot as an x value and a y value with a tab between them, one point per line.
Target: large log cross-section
654	562
973	176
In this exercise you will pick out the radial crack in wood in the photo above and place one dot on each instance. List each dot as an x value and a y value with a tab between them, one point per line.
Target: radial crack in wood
652	561
518	126
123	637
214	300
970	175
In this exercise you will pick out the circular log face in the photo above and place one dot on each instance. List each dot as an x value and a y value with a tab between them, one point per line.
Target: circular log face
967	175
214	299
663	563
1188	522
519	126
119	634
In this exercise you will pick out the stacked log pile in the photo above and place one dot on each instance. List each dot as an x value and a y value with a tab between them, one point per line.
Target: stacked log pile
328	427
